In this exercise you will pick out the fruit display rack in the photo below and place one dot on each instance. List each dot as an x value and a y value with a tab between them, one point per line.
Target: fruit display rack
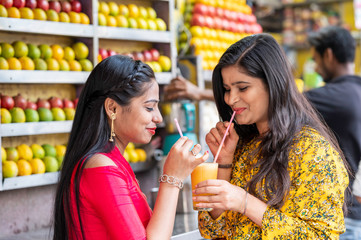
92	35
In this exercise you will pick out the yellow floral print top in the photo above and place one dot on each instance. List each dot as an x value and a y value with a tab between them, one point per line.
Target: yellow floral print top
313	208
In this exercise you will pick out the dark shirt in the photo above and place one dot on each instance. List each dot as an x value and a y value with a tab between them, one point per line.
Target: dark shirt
339	103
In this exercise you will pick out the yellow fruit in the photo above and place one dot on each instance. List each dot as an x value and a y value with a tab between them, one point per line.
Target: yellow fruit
69	113
24	167
10	169
53	65
7	50
27	63
142	23
84	19
74	17
37	166
38	151
3	12
60	150
14	63
151	25
102	19
161	26
130	146
13	12
156	66
126	155
69	54
165	63
12	154
111	21
122	21
4	65
74	65
46	51
39	14
123	10
5	116
40	64
113	8
26	13
142	155
133	10
86	65
133	156
143	13
25	152
81	50
51	164
103	8
300	84
151	13
58	51
63	65
3	154
58	114
52	15
17	115
64	17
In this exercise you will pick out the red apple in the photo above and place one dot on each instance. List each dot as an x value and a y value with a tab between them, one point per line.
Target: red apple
6	3
198	20
75	6
43	4
103	53
200	9
147	56
43	103
65	6
20	101
55	5
138	56
19	3
30	4
31	105
67	103
111	52
76	100
7	102
155	53
55	102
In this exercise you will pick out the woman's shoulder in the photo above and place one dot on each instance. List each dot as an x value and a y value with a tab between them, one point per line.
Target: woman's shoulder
99	160
310	135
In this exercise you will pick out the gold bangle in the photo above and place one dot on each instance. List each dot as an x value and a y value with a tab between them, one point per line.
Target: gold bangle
225	165
171	180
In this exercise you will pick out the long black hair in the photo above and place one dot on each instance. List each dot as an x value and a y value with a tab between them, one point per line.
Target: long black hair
119	78
260	56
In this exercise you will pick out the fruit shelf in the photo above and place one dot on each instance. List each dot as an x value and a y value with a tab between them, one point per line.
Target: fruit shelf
30	181
46	27
52	77
134	34
35	128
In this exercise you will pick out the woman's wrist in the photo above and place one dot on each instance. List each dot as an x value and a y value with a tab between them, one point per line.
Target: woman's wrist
165	178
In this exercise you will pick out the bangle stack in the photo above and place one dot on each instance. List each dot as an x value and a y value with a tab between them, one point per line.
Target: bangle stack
171	180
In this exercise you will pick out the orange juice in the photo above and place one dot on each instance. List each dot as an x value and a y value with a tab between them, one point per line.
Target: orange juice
201	173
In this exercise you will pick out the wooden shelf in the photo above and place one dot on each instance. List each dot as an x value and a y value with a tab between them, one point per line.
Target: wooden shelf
35	128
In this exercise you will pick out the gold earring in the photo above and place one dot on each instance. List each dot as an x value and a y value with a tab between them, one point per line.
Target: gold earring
112	133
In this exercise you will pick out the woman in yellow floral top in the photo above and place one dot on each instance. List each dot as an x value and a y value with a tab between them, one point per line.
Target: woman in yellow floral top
281	172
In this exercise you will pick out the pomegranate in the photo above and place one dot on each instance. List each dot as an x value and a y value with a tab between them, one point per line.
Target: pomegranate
67	103
20	101
42	103
76	102
7	102
55	102
31	105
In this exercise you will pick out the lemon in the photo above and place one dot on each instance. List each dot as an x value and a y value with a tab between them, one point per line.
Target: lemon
38	151
69	54
58	114
17	115
12	154
37	166
10	169
7	50
20	48
133	156
126	155
86	65
3	154
64	17
60	150
4	65
5	116
51	164
81	50
25	152
142	155
69	113
24	167
130	146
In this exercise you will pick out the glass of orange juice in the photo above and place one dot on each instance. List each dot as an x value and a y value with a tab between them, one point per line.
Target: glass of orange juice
201	173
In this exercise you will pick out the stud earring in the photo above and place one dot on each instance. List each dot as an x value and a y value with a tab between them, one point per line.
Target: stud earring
112	133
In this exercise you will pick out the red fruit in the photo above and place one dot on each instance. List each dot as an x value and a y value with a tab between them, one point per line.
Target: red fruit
7	102
211	11
55	102
65	7
217	23
225	24
128	54
43	4
6	3
220	12
111	52
200	9
198	20
43	103
31	105
20	101
209	22
19	3
155	54
67	103
103	53
138	56
76	100
55	5
76	6
147	56
30	4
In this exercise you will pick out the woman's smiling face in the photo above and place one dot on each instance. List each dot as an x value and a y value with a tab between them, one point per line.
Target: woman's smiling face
246	95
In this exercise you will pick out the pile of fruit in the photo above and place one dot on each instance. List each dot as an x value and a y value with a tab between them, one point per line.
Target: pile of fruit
129	16
152	57
133	154
35	159
57	11
22	56
215	25
19	110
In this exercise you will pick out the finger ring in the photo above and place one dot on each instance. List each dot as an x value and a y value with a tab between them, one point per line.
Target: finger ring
193	153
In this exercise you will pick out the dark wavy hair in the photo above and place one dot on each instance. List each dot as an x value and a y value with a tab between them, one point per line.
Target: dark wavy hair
119	78
260	56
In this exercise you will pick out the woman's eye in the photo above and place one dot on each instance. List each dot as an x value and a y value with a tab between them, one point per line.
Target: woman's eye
243	89
149	109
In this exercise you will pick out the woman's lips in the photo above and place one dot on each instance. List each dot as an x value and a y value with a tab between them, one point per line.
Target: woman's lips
152	130
239	110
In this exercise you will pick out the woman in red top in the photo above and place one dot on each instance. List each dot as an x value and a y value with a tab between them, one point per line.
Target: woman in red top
98	196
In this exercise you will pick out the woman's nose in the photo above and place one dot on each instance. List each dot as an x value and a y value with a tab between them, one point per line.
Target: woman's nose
232	98
158	117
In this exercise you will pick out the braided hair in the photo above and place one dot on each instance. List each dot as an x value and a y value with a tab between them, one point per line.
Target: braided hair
119	78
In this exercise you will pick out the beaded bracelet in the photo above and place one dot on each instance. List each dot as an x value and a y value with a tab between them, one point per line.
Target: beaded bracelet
171	180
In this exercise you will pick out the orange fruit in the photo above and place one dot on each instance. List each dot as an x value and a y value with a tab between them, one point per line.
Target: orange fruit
74	65
10	169
27	63
52	15
64	17
123	10
26	13
133	10
111	21
7	50
13	12
84	19
58	51
86	65
142	155
39	14
74	17
3	11
4	65
81	50
69	54
53	64
24	167
37	166
5	116
25	152
40	64
63	65
14	64
12	154
102	19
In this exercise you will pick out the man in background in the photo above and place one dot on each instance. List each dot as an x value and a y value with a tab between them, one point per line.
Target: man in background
333	49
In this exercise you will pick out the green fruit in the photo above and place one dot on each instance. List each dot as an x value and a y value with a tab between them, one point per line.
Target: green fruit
45	114
49	150
21	49
34	51
40	64
60	161
51	164
7	51
46	51
86	65
31	115
58	114
17	115
38	151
